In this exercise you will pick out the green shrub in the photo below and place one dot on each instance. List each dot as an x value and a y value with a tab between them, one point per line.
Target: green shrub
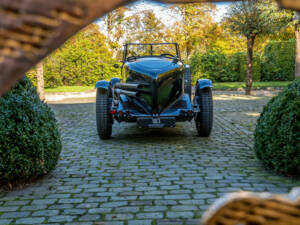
210	65
220	67
82	60
279	61
277	134
29	138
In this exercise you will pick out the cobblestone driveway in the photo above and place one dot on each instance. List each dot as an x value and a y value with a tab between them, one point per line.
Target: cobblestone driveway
142	177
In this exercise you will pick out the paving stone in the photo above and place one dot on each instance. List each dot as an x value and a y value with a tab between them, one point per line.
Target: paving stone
61	206
96	199
90	218
112	223
58	196
70	200
48	212
14	203
9	208
130	209
87	205
43	201
168	175
139	203
30	220
74	211
61	219
165	202
140	222
204	196
118	216
180	214
170	222
8	215
33	207
155	208
177	196
152	215
114	204
150	197
184	208
99	210
5	221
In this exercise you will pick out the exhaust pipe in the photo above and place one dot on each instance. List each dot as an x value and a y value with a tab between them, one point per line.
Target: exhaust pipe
128	93
128	86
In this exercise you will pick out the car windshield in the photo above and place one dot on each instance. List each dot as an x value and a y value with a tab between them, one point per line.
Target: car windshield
142	50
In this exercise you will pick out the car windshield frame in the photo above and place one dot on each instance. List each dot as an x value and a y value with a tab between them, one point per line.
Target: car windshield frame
127	45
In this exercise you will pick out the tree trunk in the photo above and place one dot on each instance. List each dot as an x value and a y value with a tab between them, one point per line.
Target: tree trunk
40	81
297	56
250	43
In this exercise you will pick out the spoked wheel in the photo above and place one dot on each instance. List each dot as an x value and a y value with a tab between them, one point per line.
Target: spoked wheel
103	117
204	119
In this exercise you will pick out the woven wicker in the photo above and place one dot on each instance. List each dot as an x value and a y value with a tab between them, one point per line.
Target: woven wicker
247	208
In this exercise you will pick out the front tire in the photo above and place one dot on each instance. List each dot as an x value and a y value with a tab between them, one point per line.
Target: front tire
103	117
204	119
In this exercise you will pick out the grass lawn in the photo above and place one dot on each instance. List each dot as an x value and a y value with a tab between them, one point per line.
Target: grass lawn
217	85
69	89
227	85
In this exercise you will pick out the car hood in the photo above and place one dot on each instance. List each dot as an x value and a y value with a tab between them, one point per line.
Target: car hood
153	66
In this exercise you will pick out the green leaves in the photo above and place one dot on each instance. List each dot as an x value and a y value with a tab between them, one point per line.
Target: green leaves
277	132
220	67
279	61
83	60
29	138
257	17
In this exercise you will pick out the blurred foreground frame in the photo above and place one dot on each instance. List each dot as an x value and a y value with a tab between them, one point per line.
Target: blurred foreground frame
31	29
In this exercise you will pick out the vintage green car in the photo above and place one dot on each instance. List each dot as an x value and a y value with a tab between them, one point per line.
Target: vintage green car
156	92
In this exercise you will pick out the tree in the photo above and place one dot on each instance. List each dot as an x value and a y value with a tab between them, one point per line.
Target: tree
195	29
82	60
252	19
40	81
145	27
297	36
114	27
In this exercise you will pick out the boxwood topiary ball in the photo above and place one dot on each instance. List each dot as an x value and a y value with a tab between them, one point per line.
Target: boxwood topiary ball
277	134
30	142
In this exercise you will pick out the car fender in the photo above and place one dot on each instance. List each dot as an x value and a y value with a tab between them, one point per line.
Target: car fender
204	83
102	84
113	81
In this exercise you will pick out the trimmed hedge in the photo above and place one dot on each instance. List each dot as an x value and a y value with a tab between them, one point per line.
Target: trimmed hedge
278	63
220	67
277	134
29	138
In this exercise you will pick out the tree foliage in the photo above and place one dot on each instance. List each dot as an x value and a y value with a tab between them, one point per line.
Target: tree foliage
196	29
90	55
83	60
253	18
145	27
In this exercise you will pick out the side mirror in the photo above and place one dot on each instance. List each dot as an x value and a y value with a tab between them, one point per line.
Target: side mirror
117	66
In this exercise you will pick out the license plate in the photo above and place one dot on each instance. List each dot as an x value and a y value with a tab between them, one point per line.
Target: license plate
161	122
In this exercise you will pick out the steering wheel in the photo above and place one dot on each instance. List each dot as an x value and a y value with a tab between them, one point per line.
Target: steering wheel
167	54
